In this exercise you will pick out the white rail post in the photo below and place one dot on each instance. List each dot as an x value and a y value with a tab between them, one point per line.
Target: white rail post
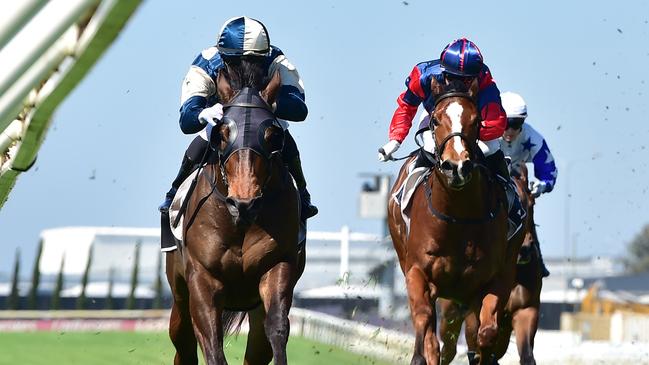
344	252
43	29
15	14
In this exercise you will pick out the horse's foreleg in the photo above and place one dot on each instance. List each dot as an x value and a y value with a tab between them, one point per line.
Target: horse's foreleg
492	309
206	308
471	326
276	290
258	349
180	322
449	328
525	326
421	297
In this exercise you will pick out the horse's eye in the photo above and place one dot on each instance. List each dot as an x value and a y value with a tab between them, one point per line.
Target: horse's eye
274	137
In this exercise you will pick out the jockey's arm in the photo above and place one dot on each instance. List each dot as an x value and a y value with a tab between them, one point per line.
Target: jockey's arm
545	170
197	89
289	104
407	104
494	118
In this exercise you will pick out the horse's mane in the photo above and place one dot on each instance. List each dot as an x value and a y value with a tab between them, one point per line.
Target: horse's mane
246	71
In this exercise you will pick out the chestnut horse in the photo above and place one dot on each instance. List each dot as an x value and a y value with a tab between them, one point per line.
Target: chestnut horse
522	310
240	251
457	245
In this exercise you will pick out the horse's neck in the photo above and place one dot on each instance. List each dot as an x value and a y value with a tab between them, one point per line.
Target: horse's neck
279	179
473	200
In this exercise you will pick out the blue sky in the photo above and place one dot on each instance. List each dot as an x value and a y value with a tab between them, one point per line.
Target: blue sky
582	70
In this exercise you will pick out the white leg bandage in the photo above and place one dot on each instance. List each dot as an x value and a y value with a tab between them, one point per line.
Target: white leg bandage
489	147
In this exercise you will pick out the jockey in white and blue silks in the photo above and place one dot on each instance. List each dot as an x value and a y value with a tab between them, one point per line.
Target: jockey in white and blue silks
523	144
201	108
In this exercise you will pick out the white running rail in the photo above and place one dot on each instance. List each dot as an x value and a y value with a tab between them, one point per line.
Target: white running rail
47	48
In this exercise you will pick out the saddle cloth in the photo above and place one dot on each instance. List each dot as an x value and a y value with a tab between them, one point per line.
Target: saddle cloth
174	209
407	189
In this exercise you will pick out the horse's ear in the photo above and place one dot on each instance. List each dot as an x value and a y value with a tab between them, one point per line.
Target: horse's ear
473	88
223	88
272	89
436	87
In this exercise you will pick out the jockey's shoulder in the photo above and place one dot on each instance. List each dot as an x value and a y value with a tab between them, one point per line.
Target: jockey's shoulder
274	52
530	131
430	67
209	60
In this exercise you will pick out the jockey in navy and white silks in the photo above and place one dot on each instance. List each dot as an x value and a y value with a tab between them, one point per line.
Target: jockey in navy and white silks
461	60
201	108
523	144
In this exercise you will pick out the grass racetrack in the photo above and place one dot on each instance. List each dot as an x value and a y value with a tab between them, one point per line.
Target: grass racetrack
131	348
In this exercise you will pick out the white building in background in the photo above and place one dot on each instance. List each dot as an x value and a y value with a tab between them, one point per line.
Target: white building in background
341	261
109	248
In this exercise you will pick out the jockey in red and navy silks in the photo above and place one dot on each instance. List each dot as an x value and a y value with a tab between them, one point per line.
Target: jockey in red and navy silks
494	120
461	60
201	109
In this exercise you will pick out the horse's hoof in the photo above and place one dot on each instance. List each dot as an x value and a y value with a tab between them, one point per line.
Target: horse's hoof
418	360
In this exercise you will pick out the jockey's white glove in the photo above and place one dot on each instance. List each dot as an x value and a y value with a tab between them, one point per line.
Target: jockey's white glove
211	115
385	152
538	188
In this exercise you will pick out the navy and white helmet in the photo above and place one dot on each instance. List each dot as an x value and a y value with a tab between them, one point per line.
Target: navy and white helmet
243	36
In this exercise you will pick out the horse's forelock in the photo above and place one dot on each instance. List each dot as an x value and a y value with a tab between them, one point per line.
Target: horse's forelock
244	72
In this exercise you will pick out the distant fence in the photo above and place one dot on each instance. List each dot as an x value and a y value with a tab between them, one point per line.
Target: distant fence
353	336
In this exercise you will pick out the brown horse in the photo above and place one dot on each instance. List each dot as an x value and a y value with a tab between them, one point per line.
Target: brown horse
522	310
240	251
457	245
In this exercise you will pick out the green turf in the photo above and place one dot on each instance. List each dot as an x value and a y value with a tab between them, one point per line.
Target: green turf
127	348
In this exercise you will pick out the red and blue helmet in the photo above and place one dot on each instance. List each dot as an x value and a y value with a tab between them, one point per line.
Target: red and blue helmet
461	58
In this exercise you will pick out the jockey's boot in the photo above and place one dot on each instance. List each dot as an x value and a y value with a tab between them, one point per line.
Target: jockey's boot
497	164
544	270
307	209
186	168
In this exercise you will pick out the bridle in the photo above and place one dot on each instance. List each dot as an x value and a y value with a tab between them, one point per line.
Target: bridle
472	145
224	155
474	151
